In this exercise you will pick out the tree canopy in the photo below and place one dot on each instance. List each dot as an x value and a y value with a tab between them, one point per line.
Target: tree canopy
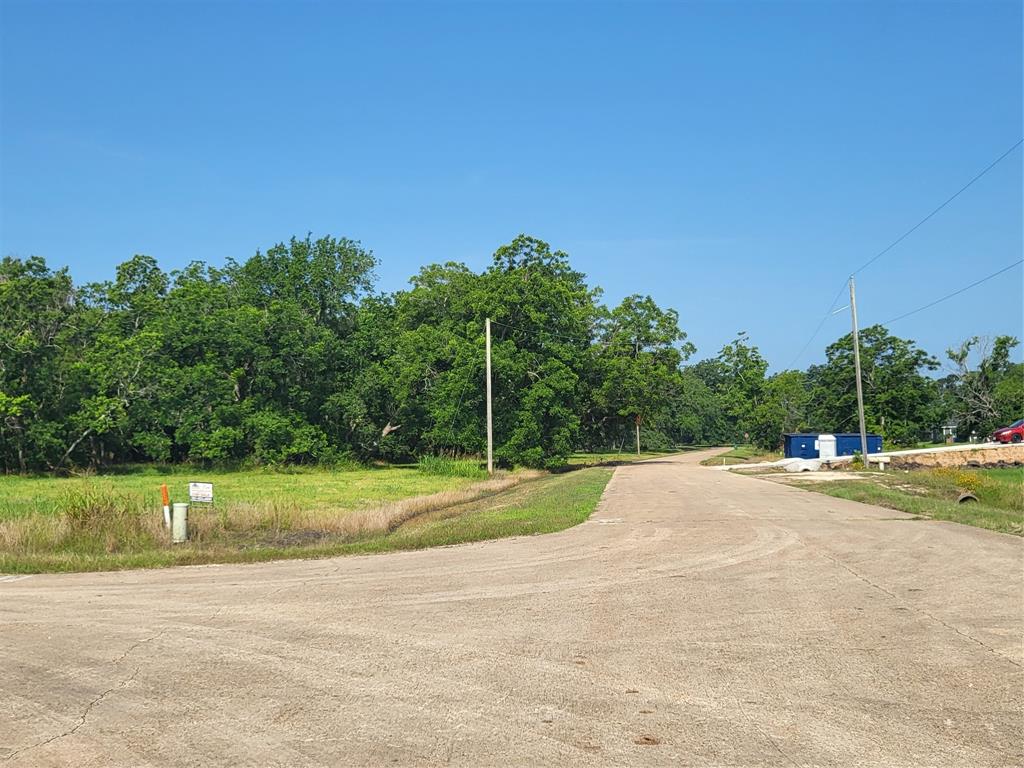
293	357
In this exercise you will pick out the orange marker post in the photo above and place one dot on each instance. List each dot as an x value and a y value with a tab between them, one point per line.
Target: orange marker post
167	505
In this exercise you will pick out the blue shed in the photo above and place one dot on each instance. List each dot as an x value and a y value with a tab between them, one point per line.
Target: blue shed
848	443
800	446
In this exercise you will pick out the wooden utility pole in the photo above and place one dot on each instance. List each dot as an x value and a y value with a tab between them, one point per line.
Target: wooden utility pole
490	423
637	421
856	365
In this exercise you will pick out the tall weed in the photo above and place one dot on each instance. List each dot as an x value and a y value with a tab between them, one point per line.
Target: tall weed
445	466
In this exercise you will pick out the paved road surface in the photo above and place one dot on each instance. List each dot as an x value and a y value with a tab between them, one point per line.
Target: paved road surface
700	618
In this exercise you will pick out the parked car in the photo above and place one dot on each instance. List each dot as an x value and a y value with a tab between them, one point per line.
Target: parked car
1011	434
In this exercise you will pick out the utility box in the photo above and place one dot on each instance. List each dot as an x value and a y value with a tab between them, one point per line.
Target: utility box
179	523
827	447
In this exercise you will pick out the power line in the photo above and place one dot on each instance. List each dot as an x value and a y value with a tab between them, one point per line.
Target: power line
950	199
899	240
955	293
821	322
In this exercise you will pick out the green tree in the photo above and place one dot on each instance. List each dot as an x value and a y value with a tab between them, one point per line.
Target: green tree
991	394
736	378
640	350
782	408
900	402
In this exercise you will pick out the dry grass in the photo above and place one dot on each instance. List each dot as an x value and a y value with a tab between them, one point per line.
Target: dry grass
383	518
95	522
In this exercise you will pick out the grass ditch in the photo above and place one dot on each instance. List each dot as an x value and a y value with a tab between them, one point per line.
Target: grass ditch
100	525
933	493
742	454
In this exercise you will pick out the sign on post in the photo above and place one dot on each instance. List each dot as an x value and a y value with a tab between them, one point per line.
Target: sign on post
201	493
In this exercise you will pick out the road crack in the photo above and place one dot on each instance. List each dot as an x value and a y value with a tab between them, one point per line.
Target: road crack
82	718
912	607
135	645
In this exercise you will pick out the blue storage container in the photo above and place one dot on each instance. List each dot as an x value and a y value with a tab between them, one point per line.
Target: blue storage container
848	443
805	445
800	446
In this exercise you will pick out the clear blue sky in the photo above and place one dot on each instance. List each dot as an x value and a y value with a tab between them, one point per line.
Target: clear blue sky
736	161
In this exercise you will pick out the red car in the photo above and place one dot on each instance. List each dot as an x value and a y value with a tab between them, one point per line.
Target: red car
1011	434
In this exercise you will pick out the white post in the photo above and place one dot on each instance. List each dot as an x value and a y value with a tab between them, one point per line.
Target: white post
490	423
856	365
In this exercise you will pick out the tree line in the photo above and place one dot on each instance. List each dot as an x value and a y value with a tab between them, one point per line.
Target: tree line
293	357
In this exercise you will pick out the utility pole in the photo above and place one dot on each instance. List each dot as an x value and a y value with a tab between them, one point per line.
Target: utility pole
490	423
856	365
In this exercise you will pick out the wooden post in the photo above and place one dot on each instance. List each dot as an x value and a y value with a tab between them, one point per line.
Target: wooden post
856	365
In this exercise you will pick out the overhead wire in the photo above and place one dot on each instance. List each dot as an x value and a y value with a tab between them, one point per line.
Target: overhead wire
955	293
817	329
899	240
948	200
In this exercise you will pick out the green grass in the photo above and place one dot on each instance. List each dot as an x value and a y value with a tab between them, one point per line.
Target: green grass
550	504
743	454
443	466
308	488
933	493
614	457
102	530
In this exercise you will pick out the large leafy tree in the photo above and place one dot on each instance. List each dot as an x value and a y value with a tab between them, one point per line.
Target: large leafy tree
543	314
783	407
638	356
736	377
988	393
696	413
900	401
43	329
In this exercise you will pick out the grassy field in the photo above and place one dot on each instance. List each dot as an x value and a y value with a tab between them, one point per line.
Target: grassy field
932	493
115	521
309	488
743	454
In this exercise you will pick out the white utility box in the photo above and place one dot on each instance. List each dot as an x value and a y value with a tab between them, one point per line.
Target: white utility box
826	446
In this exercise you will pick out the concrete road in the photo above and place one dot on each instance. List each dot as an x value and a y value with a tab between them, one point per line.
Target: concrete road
699	618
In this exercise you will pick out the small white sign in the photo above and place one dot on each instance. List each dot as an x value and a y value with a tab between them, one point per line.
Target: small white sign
200	492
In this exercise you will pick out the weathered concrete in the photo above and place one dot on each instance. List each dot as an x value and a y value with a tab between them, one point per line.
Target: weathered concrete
701	618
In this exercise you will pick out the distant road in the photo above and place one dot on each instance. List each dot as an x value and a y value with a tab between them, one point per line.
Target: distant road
700	618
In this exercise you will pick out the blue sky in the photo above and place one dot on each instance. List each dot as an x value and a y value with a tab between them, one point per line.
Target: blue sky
734	160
